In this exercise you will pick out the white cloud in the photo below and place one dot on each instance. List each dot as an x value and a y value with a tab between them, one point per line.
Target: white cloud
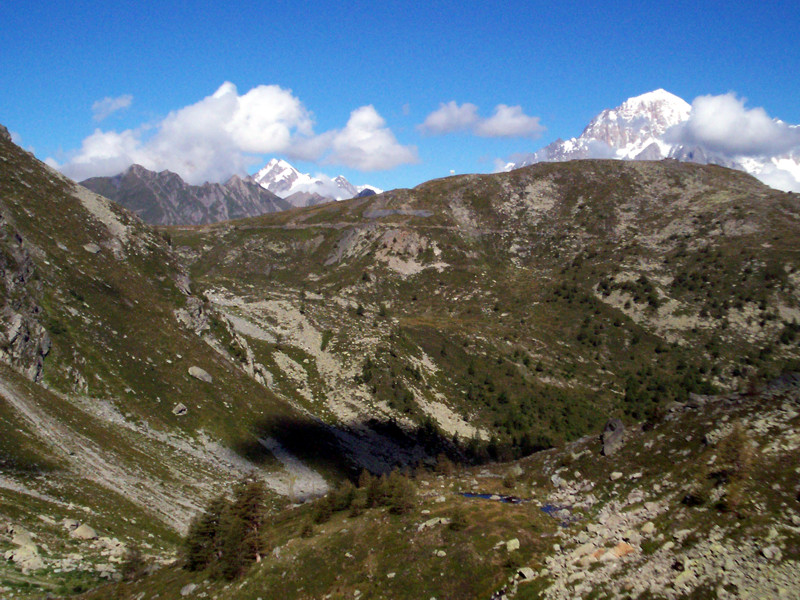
506	121
450	117
722	124
780	179
367	144
226	132
509	121
104	108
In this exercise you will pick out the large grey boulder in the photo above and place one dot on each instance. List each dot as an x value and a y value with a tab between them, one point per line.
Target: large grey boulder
200	374
84	532
613	436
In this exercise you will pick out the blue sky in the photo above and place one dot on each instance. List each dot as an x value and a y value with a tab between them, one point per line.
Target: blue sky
371	73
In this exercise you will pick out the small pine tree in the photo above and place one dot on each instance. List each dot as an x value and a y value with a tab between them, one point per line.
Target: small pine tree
202	543
401	493
458	519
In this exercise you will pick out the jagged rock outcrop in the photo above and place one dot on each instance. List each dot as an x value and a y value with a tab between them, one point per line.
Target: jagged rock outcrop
166	199
613	436
24	342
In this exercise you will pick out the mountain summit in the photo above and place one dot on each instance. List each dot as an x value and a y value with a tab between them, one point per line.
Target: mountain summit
301	189
642	128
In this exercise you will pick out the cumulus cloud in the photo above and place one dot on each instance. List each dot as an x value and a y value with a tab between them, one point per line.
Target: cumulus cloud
450	117
723	125
104	108
509	121
367	144
506	121
226	132
778	178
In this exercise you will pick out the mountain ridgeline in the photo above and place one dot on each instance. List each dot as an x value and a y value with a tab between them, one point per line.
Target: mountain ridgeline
165	199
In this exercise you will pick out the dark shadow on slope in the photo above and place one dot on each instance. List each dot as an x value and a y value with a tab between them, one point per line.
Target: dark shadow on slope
375	445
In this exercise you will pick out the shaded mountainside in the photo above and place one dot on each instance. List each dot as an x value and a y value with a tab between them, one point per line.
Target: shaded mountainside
477	318
165	199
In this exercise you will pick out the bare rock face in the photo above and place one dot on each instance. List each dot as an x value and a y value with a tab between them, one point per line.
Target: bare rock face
24	342
613	436
4	135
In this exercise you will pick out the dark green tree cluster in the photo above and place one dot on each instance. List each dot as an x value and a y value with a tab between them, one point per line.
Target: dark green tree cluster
395	491
229	535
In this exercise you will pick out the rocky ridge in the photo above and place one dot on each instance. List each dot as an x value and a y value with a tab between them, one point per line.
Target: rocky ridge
165	199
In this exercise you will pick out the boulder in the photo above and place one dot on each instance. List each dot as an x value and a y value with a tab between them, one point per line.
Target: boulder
188	589
613	436
618	551
70	524
92	248
22	538
84	532
526	573
200	374
512	545
432	523
615	475
180	409
26	558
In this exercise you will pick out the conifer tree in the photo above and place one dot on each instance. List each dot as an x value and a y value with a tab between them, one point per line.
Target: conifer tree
202	544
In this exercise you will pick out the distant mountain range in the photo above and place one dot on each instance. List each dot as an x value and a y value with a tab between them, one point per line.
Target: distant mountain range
640	129
165	199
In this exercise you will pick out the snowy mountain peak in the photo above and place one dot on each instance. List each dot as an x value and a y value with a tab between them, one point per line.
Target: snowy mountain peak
283	180
637	130
661	97
637	123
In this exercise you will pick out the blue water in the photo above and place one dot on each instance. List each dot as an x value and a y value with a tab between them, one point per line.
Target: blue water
552	510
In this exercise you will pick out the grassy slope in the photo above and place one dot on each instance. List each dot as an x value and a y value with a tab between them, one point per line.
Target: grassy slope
565	293
659	464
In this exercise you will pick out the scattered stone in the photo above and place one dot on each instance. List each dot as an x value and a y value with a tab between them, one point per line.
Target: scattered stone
391	575
92	248
582	550
526	573
440	553
180	409
200	374
621	549
613	436
772	553
615	475
84	532
432	523
70	524
26	558
648	528
188	589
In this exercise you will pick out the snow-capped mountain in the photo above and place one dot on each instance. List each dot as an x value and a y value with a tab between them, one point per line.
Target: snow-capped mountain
301	189
632	130
644	128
